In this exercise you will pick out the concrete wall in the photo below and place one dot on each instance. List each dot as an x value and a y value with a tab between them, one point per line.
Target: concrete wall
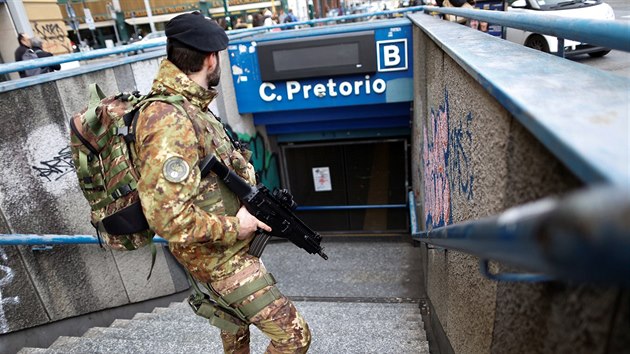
472	158
39	194
9	42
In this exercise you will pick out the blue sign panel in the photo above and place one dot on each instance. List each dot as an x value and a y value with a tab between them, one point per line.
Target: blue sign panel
392	82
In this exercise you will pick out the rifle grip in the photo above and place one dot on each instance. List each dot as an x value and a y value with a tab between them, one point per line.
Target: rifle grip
259	243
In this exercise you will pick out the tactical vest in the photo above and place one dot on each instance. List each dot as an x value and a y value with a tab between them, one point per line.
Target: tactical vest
214	140
221	311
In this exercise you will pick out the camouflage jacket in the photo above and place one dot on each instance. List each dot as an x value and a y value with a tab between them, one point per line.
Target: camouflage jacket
195	215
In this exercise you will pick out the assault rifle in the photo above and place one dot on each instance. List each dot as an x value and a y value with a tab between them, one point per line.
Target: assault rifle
274	209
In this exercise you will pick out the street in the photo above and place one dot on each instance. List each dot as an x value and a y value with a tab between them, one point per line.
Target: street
616	61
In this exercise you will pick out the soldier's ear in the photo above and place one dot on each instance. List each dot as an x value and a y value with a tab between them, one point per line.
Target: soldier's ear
211	61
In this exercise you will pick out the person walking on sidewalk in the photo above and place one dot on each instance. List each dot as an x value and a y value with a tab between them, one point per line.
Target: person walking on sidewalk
208	230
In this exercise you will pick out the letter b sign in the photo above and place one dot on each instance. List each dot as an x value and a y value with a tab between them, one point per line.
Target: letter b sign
392	55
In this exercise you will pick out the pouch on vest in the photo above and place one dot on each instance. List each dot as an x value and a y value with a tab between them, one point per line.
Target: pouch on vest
222	311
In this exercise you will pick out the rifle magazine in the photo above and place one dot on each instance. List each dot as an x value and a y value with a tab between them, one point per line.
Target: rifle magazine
258	245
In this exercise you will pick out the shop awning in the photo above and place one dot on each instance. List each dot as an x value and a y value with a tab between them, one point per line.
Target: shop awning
252	6
156	19
214	11
99	24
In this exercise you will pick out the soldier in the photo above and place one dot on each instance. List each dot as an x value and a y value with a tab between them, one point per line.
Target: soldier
209	232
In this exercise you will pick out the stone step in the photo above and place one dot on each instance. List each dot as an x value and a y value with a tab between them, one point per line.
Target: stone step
337	327
28	350
376	328
70	345
336	343
120	323
169	316
375	310
212	334
340	314
306	303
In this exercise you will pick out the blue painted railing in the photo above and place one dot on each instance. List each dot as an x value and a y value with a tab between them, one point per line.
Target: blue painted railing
609	34
57	75
352	207
233	35
582	237
33	239
564	117
605	33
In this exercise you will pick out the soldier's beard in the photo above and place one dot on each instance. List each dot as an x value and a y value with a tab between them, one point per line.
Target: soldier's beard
214	77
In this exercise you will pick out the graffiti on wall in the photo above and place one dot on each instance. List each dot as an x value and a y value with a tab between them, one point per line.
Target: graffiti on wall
6	278
57	167
264	161
50	159
446	163
54	36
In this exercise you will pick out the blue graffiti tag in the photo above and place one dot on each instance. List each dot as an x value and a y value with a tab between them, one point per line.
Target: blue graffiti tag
446	163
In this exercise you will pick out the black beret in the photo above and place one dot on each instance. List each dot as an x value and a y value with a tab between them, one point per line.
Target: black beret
197	32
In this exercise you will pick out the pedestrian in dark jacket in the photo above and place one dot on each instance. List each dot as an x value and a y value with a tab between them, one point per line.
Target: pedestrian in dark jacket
24	47
36	46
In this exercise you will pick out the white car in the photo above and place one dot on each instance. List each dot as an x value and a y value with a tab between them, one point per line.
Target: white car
583	9
154	37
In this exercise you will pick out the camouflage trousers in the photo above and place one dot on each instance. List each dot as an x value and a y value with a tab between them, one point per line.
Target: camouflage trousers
280	320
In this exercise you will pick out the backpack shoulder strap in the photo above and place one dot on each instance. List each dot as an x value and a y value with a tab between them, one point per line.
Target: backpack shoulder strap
175	100
91	118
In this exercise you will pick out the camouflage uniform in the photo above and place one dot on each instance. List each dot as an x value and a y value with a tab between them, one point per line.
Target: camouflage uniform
197	216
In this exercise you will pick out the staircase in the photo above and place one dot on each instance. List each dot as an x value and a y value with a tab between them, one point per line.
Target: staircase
337	327
364	299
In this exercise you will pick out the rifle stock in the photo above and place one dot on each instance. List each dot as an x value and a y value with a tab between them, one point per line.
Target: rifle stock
274	209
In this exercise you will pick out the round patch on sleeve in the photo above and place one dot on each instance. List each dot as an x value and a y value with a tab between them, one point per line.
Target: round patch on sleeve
175	169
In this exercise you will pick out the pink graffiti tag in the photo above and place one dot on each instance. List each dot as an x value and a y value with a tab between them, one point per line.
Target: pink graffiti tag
446	165
437	192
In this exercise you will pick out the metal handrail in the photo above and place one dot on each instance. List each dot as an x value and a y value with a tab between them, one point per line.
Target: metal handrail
138	46
47	239
351	207
584	237
610	34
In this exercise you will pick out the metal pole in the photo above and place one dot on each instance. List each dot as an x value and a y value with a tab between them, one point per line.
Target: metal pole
19	17
310	9
73	22
561	47
583	236
228	19
147	6
112	13
204	7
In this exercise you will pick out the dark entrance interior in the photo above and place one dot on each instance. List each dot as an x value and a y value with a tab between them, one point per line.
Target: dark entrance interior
353	187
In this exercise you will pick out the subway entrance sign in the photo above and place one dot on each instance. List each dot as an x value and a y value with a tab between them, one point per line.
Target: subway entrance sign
336	66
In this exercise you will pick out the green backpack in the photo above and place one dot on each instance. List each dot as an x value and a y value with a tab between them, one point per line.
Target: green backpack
101	141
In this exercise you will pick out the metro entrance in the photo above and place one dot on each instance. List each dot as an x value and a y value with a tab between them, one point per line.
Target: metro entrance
349	187
334	105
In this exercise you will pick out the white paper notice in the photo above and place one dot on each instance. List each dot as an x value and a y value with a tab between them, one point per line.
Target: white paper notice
321	178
